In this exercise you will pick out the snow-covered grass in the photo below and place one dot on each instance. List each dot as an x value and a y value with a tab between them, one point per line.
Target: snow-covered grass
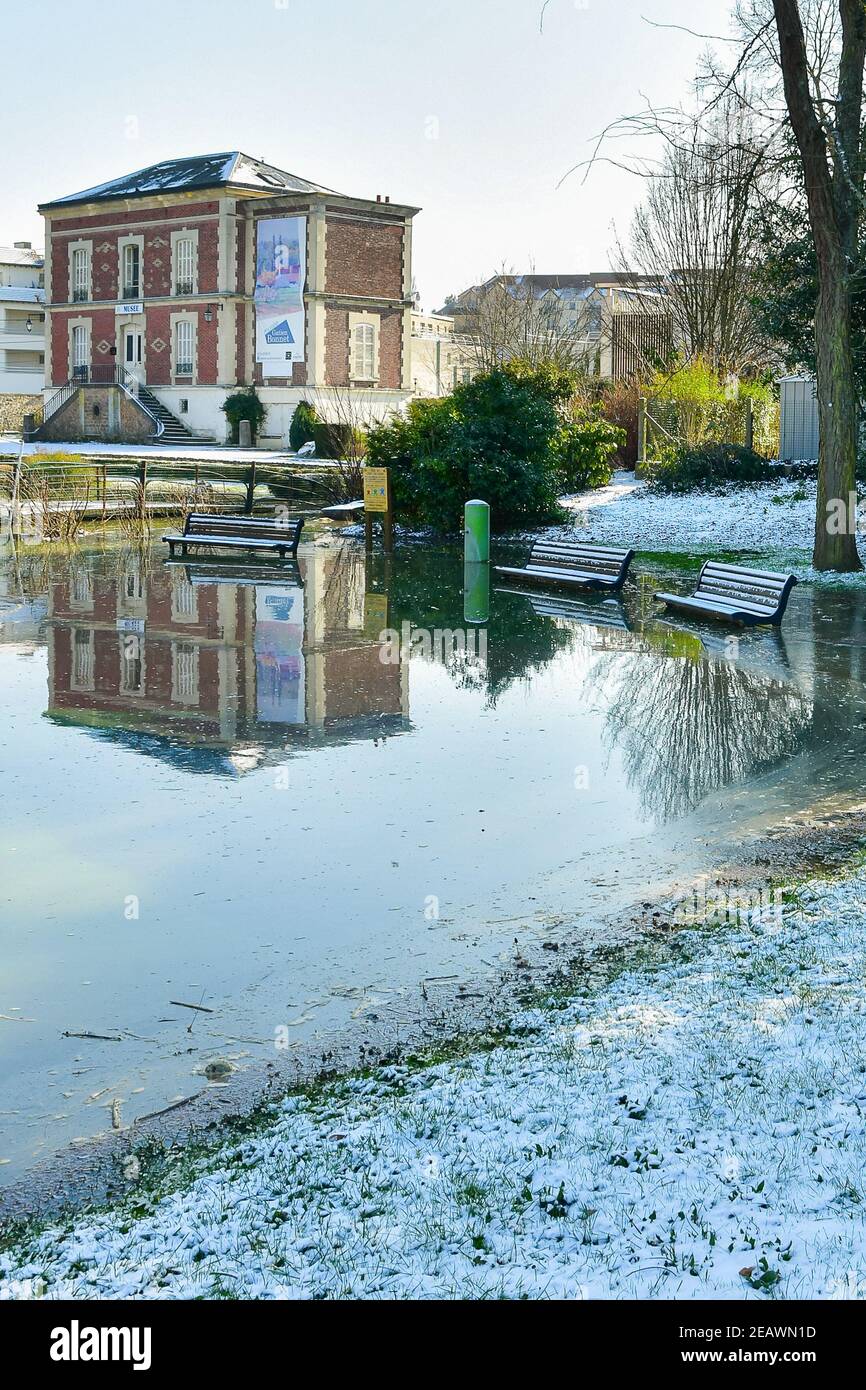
209	453
694	1128
775	519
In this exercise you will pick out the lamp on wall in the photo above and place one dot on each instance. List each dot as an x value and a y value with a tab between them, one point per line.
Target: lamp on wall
208	314
29	324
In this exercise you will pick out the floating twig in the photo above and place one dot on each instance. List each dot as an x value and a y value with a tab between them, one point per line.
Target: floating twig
95	1037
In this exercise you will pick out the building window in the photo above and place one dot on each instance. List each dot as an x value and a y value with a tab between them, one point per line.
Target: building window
81	676
80	352
184	258
184	673
184	347
81	590
133	583
593	319
80	275
184	600
364	352
131	271
132	665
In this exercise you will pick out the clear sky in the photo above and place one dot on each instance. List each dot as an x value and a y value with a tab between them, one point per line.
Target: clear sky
461	107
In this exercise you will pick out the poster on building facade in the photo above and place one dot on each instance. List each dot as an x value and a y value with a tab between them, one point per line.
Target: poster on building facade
281	247
280	690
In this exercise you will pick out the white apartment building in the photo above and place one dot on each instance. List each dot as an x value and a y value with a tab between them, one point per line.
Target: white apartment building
441	359
22	320
613	320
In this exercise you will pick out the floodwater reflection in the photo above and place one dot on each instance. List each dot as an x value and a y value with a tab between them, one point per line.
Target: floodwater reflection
220	666
282	794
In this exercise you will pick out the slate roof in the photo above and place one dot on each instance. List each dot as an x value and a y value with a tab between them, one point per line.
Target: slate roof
230	168
21	255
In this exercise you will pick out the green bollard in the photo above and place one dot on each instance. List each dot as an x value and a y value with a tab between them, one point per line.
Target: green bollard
476	532
476	592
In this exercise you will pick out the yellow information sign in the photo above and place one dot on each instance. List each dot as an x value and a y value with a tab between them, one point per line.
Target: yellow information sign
375	614
377	490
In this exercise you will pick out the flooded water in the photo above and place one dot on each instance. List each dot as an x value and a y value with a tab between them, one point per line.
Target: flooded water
223	788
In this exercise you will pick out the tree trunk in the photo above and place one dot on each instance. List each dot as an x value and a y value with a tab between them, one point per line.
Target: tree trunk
833	182
838	420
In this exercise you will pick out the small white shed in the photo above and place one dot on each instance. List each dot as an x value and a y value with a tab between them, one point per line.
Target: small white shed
798	418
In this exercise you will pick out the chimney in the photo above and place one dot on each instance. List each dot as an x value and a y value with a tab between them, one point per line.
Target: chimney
22	245
378	197
387	197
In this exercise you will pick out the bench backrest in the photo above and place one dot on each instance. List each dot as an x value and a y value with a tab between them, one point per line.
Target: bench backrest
258	528
606	614
756	588
603	560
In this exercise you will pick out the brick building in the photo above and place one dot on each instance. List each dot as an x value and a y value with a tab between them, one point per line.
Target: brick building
184	280
176	661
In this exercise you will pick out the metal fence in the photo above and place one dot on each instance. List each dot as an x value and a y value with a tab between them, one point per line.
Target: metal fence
119	486
741	420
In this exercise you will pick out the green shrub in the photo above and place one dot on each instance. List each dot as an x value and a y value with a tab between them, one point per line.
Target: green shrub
495	437
708	468
586	446
551	380
696	405
244	405
303	426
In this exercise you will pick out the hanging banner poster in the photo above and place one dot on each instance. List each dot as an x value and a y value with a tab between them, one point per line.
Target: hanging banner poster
281	255
280	691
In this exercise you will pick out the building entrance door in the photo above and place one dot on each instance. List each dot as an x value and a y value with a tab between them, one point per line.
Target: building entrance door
133	352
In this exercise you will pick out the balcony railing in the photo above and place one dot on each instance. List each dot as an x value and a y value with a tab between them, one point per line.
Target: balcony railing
184	287
131	292
80	296
183	369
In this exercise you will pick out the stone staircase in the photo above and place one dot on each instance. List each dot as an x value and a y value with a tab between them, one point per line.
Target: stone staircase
174	431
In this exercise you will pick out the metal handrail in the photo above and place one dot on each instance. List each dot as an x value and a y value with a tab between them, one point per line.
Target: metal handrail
53	404
130	385
122	378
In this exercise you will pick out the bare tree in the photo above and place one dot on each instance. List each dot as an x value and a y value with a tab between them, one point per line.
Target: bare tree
510	316
695	726
695	235
798	65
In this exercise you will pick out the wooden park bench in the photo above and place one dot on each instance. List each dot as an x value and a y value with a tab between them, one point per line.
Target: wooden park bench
595	612
737	595
604	612
212	532
574	563
219	569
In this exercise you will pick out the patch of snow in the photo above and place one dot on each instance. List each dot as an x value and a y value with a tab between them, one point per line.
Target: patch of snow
212	453
694	1130
772	518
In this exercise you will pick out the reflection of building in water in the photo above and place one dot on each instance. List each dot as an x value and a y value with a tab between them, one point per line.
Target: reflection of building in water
21	617
213	658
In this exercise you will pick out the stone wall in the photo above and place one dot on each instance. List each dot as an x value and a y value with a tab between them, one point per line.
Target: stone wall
13	408
96	413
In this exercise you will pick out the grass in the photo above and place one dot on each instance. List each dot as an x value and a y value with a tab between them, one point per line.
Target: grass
163	1169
